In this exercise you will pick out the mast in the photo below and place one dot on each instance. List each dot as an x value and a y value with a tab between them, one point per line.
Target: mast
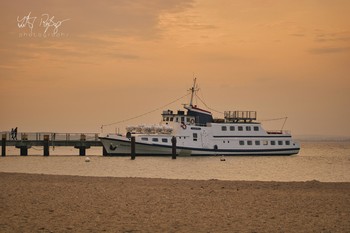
193	89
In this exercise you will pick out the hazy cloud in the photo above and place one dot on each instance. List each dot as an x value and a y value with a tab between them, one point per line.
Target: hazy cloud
297	34
338	36
328	50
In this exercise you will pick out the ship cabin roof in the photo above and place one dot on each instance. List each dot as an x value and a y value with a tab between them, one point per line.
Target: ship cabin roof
201	117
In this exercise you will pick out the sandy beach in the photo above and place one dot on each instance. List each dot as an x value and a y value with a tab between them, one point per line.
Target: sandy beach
57	203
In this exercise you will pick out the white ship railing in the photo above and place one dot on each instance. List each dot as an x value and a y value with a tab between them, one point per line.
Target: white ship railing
240	115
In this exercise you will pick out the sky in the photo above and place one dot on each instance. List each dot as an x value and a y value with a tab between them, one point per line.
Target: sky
73	66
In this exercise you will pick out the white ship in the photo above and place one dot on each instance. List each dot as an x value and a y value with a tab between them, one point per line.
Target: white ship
197	133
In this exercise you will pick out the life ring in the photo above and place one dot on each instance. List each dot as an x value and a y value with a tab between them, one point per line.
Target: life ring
192	121
183	125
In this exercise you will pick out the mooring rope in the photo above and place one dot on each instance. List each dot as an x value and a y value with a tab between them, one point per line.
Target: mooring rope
144	114
277	119
208	106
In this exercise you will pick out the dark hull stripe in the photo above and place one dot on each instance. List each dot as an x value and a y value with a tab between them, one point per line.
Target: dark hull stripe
198	155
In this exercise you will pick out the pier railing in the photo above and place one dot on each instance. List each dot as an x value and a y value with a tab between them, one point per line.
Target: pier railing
39	136
26	140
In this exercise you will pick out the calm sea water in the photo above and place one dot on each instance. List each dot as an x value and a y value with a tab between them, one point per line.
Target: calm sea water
323	161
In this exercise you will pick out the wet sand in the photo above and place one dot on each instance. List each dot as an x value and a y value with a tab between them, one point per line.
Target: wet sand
55	203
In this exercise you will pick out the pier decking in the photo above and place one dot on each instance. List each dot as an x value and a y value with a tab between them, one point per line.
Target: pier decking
26	140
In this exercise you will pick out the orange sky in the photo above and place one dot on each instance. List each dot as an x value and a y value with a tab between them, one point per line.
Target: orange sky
118	59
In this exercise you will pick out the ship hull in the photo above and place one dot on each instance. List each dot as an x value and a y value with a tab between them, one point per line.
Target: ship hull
122	147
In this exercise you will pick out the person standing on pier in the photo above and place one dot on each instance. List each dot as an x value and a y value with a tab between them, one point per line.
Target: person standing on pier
12	134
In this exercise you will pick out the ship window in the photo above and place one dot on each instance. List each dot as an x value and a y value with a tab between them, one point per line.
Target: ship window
223	128
241	143
287	143
144	139
240	128
256	128
164	140
232	128
250	143
182	119
167	119
280	143
273	143
155	139
257	143
265	143
195	137
215	147
188	119
176	119
248	128
171	118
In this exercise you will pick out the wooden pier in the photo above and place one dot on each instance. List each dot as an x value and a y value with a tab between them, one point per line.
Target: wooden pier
81	141
24	141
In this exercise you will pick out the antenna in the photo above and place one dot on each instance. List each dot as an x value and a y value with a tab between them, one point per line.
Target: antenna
193	89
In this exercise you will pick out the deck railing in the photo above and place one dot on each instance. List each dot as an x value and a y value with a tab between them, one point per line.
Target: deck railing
235	116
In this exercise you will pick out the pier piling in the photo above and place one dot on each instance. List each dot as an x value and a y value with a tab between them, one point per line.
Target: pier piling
3	145
173	143
23	150
46	145
104	151
23	145
82	151
133	148
82	148
82	145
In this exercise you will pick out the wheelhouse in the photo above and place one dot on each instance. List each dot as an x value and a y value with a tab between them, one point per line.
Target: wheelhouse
169	116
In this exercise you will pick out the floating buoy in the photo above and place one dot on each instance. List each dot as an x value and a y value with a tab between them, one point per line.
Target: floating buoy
87	159
222	158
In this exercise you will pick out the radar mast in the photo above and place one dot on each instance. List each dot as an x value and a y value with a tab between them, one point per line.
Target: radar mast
193	89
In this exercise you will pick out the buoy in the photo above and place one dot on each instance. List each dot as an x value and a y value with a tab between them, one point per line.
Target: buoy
87	159
222	158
